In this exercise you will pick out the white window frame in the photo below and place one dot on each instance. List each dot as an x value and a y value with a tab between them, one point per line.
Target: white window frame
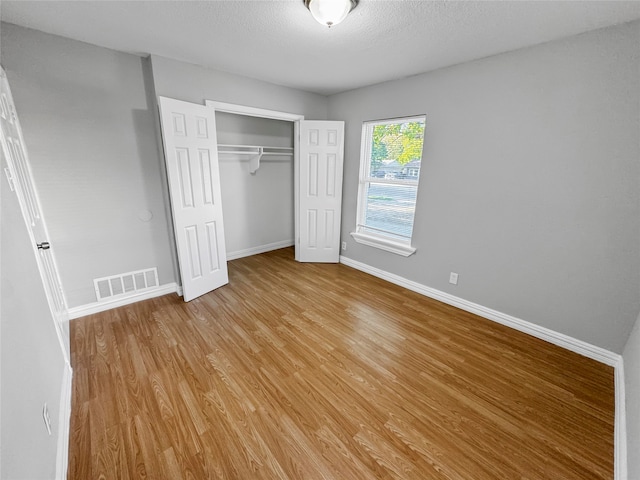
363	234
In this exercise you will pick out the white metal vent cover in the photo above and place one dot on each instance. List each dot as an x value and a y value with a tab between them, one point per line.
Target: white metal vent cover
125	283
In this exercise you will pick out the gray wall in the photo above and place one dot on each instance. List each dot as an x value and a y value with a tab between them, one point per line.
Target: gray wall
91	137
31	360
529	184
193	83
631	359
258	209
89	116
529	191
90	122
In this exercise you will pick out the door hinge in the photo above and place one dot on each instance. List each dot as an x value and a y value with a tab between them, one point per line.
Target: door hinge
7	172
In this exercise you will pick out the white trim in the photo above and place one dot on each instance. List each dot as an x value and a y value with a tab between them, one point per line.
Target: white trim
387	121
64	419
383	244
364	180
259	249
296	118
620	426
96	307
252	111
565	341
578	346
296	189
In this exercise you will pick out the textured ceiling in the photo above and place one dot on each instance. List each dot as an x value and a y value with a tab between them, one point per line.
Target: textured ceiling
279	41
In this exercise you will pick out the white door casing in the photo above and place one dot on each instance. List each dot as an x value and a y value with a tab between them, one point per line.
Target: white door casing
20	179
191	154
321	159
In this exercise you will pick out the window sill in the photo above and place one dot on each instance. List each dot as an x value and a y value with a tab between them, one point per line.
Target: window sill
383	244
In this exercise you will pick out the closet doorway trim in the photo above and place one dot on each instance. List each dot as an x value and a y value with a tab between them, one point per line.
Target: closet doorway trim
276	115
253	111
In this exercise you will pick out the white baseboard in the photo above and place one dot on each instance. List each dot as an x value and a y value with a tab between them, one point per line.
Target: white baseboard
573	344
64	419
96	307
259	249
583	348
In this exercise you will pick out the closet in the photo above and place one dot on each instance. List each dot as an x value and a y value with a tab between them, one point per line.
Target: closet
256	174
244	180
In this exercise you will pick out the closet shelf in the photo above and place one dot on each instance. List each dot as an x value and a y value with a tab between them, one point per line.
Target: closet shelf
254	154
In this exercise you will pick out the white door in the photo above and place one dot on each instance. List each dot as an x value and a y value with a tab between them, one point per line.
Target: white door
19	178
321	155
190	148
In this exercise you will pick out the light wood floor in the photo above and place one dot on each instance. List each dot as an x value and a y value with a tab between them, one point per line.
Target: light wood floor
312	371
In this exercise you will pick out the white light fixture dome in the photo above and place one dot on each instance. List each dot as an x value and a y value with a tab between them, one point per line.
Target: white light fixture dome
330	12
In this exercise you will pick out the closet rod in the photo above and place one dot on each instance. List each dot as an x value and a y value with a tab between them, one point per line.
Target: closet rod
255	153
254	150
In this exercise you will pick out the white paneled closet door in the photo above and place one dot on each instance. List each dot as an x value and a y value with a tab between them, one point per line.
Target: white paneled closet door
20	180
321	159
190	146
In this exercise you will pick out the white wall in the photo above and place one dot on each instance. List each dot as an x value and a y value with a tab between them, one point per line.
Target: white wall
92	140
31	359
259	206
258	209
631	360
529	183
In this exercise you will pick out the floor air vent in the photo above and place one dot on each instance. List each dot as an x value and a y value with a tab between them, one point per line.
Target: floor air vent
125	284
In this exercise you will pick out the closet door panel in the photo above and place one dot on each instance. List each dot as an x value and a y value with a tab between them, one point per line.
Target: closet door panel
190	146
320	191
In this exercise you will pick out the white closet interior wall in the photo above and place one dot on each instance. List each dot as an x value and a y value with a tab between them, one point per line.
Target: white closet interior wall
258	208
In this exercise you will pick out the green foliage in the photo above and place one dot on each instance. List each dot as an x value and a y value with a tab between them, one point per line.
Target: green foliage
378	149
397	141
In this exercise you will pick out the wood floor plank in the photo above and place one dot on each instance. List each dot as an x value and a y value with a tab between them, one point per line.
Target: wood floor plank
304	371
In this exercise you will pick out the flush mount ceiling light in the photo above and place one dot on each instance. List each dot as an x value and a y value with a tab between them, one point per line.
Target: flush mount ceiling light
330	12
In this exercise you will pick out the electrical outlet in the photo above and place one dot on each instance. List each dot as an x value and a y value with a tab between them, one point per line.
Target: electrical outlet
46	418
344	245
453	278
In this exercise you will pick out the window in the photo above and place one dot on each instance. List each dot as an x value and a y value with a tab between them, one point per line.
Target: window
390	159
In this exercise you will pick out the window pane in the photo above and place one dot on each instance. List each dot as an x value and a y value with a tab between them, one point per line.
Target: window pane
391	158
390	208
396	149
